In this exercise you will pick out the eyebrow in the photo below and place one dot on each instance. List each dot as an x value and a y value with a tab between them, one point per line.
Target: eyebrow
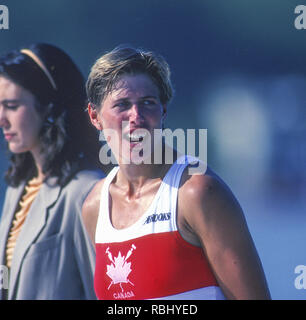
149	97
10	101
140	98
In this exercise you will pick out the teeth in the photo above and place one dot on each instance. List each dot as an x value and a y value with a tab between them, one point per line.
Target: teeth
136	137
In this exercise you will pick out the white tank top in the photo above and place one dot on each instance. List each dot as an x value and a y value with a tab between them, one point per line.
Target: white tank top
150	259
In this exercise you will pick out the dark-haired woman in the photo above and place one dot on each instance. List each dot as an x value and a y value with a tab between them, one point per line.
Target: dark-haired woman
44	249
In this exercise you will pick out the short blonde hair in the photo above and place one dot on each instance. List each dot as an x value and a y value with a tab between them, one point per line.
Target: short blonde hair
108	69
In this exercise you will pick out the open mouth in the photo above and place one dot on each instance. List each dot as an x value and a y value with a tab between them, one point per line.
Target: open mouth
136	137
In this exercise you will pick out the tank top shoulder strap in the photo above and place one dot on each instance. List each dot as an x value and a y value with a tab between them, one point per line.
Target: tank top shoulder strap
108	180
171	183
103	218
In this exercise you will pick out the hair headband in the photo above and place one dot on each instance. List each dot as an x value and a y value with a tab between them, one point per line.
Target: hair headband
34	57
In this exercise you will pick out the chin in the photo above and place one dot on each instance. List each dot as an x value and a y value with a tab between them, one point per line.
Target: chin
17	150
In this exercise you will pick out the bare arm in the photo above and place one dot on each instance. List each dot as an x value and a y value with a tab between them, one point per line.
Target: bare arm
90	210
210	216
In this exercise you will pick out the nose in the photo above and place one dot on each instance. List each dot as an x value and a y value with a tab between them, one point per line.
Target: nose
135	114
3	119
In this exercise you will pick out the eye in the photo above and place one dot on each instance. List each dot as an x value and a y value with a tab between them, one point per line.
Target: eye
10	106
148	103
122	105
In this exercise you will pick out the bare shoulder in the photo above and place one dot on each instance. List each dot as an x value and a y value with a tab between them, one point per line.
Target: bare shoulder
205	189
90	209
204	201
210	216
199	184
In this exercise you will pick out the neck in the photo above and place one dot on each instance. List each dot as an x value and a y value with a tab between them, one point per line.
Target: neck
136	175
39	161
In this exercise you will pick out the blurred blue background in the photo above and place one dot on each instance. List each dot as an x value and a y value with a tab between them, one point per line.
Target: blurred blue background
239	70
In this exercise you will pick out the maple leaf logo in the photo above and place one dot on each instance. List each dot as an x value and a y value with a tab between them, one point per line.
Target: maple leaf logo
119	269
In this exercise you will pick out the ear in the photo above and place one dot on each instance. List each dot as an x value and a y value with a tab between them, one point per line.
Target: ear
94	116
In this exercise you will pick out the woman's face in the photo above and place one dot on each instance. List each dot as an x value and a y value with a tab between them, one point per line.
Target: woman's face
132	111
19	119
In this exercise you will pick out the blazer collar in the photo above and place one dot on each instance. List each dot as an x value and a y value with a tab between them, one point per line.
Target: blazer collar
10	206
33	225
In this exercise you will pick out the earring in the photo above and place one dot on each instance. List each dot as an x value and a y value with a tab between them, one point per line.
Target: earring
50	120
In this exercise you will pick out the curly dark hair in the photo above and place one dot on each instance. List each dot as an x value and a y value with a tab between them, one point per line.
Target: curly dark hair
69	142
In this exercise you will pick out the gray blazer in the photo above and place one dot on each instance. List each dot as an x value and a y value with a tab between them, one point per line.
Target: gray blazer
53	257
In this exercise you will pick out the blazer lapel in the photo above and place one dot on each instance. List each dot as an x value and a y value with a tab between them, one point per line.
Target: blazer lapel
33	225
10	205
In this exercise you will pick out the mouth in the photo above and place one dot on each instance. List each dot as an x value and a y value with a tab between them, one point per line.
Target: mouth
136	136
9	136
